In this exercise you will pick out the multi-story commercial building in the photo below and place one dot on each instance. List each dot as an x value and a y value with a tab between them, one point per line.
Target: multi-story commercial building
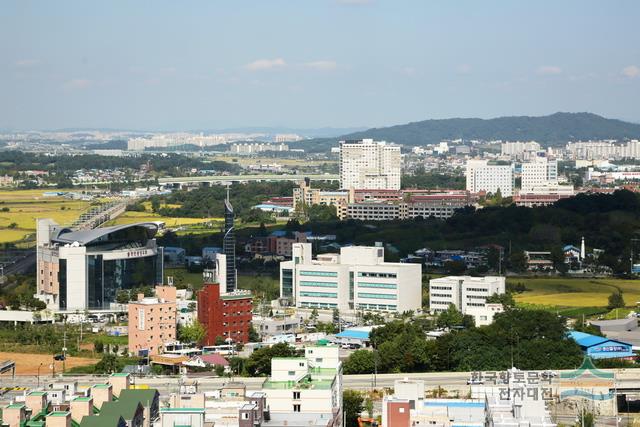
308	386
152	321
369	164
84	269
464	292
543	195
482	176
224	316
356	279
539	172
304	194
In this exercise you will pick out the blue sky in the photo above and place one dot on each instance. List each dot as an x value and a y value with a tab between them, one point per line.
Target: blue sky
171	65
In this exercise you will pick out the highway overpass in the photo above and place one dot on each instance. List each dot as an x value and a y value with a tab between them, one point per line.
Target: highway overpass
225	179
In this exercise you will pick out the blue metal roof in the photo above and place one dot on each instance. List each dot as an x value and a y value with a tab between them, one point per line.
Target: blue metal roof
361	335
588	340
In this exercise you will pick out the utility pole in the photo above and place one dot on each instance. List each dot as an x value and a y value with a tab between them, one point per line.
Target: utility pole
64	346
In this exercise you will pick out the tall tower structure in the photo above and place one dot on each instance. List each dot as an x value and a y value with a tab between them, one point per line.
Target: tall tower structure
229	246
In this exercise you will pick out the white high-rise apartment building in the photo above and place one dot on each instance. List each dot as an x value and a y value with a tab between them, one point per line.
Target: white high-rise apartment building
481	176
369	164
467	293
356	279
540	172
520	150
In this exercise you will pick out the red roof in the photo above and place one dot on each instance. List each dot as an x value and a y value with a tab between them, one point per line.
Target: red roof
214	359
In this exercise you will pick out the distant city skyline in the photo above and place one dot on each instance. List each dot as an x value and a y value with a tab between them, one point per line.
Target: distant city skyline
313	64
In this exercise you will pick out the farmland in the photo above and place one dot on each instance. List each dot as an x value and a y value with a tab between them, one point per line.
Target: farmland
19	210
574	292
170	222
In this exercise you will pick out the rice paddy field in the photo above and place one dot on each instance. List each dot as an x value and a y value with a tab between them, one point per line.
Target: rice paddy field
170	222
575	295
19	210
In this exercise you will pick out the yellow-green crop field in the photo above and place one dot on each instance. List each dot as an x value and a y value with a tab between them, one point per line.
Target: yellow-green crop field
575	292
131	217
25	206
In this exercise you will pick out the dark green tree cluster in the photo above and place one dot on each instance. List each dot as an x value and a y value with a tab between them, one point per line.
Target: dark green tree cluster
259	363
208	201
530	339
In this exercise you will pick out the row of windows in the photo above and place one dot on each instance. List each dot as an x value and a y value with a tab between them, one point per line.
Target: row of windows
376	307
376	296
477	290
441	288
384	275
440	303
473	304
319	273
319	284
441	295
319	294
482	297
377	285
305	304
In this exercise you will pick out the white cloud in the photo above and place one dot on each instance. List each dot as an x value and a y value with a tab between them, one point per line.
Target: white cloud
632	71
265	64
77	84
321	65
25	63
549	70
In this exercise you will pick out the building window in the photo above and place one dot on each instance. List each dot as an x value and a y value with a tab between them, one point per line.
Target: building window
296	395
296	408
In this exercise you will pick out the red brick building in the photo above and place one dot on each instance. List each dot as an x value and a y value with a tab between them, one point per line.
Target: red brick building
224	316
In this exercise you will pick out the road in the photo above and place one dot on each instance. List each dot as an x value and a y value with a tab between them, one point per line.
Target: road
168	384
244	178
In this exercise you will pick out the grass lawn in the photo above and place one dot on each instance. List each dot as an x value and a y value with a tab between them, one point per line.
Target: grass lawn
181	277
25	206
575	292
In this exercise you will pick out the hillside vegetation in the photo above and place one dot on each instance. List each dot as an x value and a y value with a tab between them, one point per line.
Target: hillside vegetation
552	130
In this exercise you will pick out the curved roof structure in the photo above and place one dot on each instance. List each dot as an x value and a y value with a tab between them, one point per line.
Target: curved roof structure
98	235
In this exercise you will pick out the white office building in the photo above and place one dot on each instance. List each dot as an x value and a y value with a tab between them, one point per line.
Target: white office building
540	172
356	279
465	292
369	164
482	176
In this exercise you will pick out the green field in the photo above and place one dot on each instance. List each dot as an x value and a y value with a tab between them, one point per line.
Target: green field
578	293
25	206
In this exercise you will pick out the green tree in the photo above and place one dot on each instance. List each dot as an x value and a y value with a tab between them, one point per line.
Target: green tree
122	296
259	363
450	317
506	299
322	213
615	300
314	315
108	364
336	316
518	261
195	332
585	419
254	336
352	405
360	362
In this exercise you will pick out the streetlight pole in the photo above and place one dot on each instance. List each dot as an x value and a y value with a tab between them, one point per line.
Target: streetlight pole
39	374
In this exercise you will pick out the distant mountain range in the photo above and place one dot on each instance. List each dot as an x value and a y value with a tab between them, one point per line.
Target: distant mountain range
553	130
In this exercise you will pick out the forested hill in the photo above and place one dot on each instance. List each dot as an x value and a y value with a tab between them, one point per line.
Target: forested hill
553	130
